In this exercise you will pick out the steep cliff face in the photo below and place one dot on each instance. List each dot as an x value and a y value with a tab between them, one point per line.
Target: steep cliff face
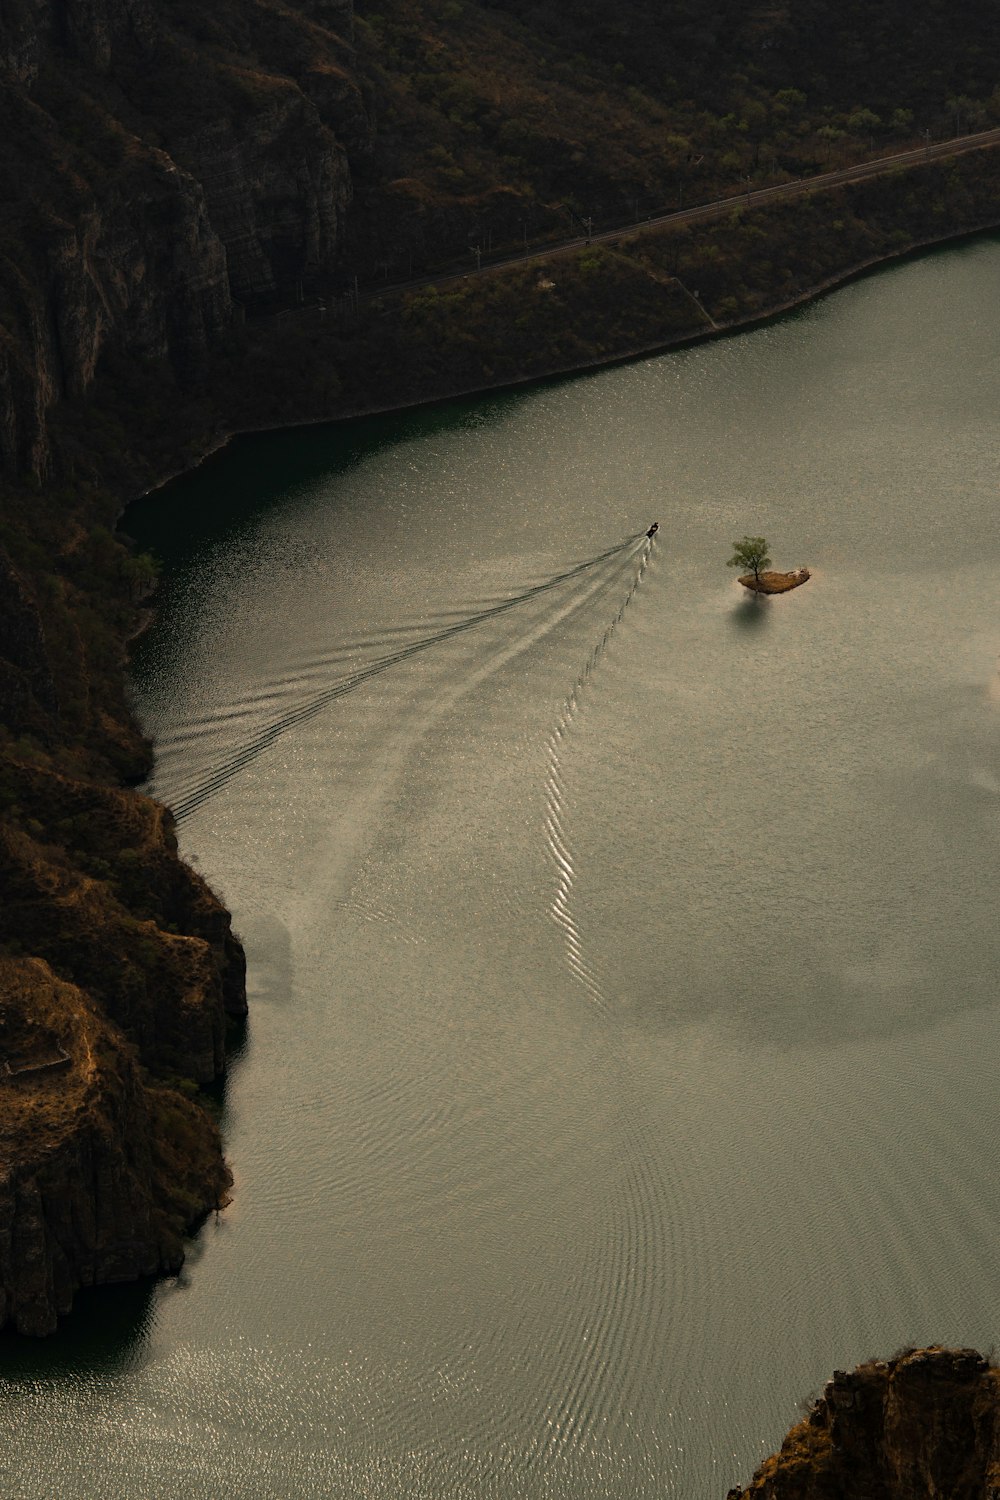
104	1166
124	258
161	164
277	208
922	1426
27	689
98	892
90	30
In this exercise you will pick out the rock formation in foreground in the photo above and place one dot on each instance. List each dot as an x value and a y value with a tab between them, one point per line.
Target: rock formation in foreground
104	1170
118	971
924	1425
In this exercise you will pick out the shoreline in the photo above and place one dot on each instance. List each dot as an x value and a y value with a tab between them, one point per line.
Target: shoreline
720	330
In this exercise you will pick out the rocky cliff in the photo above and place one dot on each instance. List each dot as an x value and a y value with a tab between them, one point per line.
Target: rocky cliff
102	1171
924	1425
154	167
118	972
163	169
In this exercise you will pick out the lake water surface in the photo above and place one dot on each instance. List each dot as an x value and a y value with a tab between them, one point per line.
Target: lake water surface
623	950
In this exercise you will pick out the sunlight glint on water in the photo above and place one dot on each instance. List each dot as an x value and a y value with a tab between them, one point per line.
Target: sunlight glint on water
623	1041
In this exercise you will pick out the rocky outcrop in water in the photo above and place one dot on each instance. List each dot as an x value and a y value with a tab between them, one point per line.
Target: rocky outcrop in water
924	1425
102	1171
105	1030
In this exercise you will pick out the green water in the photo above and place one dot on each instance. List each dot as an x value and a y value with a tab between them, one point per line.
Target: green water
623	961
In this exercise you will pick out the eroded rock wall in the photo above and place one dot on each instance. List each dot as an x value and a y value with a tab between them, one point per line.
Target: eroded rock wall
116	1010
150	174
101	1173
277	186
163	168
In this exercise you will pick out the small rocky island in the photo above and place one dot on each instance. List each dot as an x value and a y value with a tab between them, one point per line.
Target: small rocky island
774	583
750	552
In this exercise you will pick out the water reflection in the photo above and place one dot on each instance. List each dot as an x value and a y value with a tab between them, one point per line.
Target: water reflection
751	613
107	1334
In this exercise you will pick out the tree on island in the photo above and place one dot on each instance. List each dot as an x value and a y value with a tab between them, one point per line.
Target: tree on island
751	555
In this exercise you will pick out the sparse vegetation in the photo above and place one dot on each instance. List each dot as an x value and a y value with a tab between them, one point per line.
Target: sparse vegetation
751	555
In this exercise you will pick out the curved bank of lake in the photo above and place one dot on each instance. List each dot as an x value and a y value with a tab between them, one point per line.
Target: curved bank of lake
622	1050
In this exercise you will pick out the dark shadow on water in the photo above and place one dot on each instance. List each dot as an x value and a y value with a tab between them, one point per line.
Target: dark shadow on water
751	613
256	473
106	1334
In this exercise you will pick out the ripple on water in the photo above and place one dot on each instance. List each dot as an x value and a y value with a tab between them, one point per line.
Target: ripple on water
624	1054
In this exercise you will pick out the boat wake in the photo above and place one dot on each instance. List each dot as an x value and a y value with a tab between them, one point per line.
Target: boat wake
188	799
559	848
